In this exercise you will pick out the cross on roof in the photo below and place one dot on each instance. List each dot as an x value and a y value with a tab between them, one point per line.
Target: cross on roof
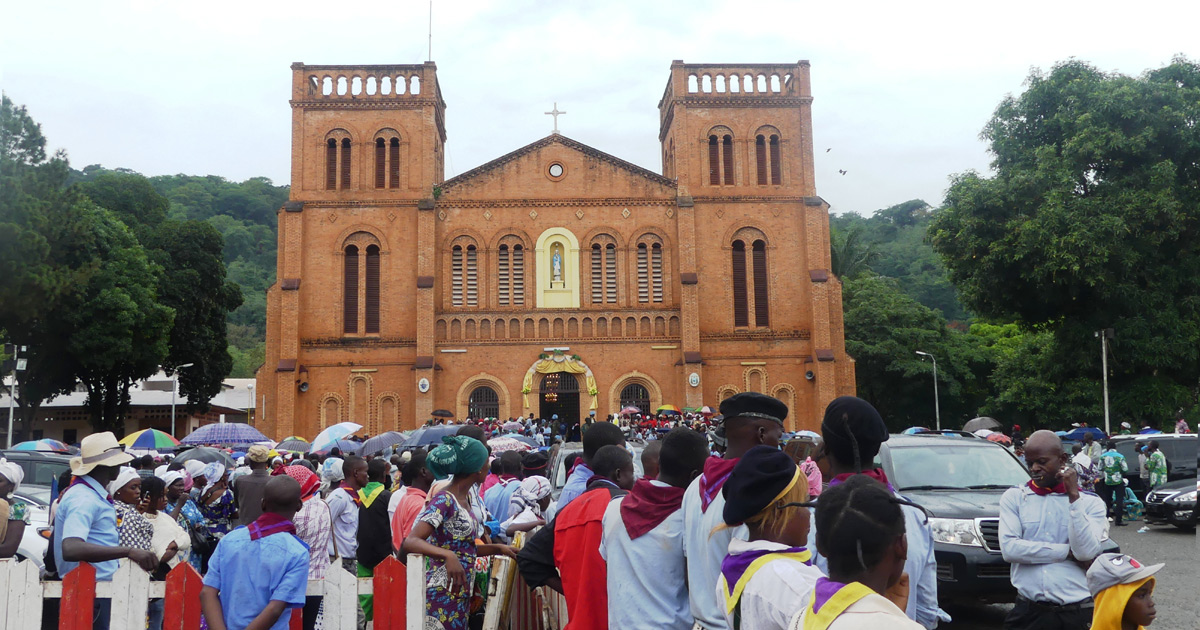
555	113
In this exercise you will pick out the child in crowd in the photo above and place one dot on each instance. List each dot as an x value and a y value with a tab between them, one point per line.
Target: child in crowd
768	578
417	480
527	508
860	532
1122	589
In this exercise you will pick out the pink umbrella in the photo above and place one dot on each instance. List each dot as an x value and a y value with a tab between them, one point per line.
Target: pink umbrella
502	444
999	438
630	410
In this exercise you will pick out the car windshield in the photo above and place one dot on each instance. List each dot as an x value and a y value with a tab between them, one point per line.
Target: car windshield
36	494
955	466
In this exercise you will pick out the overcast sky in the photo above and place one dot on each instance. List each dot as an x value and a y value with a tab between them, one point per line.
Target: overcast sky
901	89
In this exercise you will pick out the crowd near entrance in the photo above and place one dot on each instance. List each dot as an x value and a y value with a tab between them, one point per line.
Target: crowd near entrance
559	395
483	403
636	395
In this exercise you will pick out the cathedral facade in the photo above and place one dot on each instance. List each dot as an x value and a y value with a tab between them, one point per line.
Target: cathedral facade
557	279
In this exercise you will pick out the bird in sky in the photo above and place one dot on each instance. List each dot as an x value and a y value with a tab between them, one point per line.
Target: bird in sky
829	149
841	171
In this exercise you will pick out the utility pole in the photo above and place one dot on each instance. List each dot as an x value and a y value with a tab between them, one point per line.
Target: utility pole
937	404
174	387
18	365
1105	335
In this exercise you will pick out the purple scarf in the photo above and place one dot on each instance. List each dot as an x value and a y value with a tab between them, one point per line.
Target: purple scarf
270	523
825	590
735	565
716	473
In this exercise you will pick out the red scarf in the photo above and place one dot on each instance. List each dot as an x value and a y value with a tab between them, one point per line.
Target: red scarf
1061	488
877	474
716	473
648	505
353	493
270	523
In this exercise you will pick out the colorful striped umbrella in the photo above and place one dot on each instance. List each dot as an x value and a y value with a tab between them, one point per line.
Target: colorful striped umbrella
45	444
150	440
706	410
668	409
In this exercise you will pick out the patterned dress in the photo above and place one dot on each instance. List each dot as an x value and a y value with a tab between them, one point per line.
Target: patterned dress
190	517
220	514
133	530
454	528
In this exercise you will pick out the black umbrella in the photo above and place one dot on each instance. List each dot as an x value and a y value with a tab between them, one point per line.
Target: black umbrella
982	422
442	413
207	455
430	436
380	442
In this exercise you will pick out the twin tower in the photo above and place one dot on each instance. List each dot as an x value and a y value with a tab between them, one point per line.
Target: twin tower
556	280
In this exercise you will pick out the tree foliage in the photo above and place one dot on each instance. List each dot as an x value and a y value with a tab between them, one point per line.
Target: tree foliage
1090	222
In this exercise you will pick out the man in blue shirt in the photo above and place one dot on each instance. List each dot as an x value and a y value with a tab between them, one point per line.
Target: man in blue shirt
260	571
85	525
600	434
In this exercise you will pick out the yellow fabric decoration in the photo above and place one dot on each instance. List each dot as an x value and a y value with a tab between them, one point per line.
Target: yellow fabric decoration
732	599
836	605
1110	605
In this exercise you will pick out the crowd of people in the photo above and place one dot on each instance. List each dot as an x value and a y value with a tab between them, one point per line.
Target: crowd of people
725	529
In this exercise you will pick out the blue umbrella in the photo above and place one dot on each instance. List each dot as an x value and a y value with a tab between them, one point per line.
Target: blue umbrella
226	434
348	447
1078	434
1148	431
430	436
381	441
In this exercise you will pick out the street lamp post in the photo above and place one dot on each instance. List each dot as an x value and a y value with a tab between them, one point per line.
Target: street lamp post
18	365
175	386
1104	336
937	405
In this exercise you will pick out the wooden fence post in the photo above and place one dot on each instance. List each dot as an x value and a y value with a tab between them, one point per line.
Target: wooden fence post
341	599
182	601
130	596
20	595
391	593
415	601
78	598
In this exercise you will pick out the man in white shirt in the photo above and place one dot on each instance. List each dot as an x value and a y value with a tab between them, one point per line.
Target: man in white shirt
643	542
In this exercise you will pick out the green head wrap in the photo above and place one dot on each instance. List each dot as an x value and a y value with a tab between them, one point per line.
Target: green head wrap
457	455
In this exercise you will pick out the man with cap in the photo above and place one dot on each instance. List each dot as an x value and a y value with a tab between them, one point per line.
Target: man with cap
1122	588
85	524
749	419
1049	531
248	489
853	431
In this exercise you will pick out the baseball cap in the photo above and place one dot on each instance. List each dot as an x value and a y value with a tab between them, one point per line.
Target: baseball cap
259	453
1111	569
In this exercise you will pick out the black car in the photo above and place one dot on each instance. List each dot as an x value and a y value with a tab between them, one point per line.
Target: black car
40	468
1180	450
1173	503
959	479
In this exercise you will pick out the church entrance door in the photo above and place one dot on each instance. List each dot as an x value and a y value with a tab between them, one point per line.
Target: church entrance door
559	394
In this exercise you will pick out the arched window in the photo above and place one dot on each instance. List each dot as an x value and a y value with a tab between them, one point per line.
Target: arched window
760	159
331	153
456	276
720	157
350	291
775	163
610	273
472	278
761	313
345	163
464	276
597	273
727	159
643	273
656	272
510	272
636	395
604	270
483	403
380	162
714	161
503	271
394	164
371	294
518	275
741	314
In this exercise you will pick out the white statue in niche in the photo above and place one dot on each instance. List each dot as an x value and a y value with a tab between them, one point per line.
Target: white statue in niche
556	264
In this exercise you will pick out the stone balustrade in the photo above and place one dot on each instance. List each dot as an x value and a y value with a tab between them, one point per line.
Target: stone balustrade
572	324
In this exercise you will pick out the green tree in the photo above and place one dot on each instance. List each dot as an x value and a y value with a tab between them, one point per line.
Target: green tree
1090	222
850	253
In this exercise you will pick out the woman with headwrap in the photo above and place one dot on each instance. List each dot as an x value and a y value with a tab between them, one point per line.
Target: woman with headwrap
314	528
216	500
169	541
528	505
331	474
445	532
14	515
133	530
188	515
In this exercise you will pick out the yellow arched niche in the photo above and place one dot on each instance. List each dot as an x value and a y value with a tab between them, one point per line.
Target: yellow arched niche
557	285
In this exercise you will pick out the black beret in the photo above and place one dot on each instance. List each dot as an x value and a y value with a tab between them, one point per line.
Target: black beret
761	475
754	405
849	415
535	460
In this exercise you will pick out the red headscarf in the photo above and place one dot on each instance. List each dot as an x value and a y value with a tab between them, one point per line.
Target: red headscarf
309	482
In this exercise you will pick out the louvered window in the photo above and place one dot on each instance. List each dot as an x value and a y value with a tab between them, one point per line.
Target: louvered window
394	164
714	161
345	163
597	273
610	272
456	276
656	272
518	274
760	284
775	166
380	162
760	159
727	156
331	164
741	315
472	278
350	292
371	295
503	275
643	272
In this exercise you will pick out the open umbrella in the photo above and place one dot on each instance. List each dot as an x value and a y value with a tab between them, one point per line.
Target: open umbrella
325	439
294	444
983	433
507	443
915	430
225	434
706	411
381	441
46	445
150	440
982	422
430	436
668	409
522	438
1079	433
207	455
347	447
512	426
999	438
442	413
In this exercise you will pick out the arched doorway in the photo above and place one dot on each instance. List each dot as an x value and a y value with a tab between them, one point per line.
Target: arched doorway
484	402
636	395
559	395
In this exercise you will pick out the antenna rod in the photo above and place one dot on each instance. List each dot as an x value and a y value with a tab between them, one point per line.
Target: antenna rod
430	58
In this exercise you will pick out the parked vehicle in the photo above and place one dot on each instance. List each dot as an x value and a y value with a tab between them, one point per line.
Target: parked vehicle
959	479
34	541
1173	504
41	468
1179	448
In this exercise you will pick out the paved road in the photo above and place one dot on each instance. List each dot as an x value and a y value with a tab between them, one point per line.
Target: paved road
1176	594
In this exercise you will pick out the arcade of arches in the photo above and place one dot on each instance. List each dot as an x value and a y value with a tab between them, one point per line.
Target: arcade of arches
401	291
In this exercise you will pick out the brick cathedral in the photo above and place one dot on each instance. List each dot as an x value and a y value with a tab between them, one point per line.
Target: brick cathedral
556	279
